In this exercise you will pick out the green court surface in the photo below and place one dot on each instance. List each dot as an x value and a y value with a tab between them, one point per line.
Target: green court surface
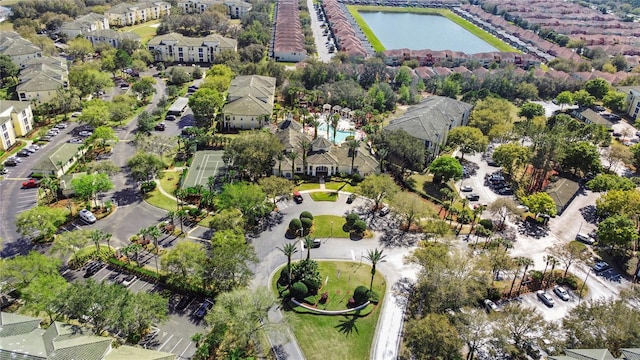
205	164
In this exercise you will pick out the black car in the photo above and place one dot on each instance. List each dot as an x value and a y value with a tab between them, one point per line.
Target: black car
10	162
160	126
351	198
297	198
473	197
203	309
93	269
23	153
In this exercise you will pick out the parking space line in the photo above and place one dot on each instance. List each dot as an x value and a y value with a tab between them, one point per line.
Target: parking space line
165	343
176	345
130	285
185	349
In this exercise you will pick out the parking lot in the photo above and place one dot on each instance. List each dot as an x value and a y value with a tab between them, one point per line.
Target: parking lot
172	336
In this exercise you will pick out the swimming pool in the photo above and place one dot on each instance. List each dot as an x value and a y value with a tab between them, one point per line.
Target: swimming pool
341	135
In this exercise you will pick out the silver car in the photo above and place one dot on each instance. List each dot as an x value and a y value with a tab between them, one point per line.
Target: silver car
87	216
561	292
545	298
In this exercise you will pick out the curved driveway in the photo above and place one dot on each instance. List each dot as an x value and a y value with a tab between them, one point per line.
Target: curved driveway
386	342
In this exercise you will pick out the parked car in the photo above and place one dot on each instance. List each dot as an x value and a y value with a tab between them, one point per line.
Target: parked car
170	117
10	162
76	114
30	150
601	266
545	298
351	198
466	188
93	269
585	239
23	153
46	138
384	211
15	158
561	292
202	310
316	244
297	197
85	133
87	216
490	306
29	184
61	126
473	197
128	280
35	146
4	171
75	141
160	126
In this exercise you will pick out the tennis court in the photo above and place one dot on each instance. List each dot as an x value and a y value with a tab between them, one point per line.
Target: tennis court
205	164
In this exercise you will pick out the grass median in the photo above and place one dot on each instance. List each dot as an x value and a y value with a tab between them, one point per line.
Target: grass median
470	27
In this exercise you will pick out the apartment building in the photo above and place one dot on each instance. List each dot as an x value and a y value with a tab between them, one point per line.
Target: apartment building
126	14
174	47
16	119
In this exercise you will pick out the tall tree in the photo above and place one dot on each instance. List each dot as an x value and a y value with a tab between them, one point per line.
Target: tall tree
144	87
511	157
540	203
379	188
375	256
88	186
445	168
253	152
205	104
569	253
432	337
404	150
145	167
104	134
275	186
292	156
288	250
40	221
470	140
619	232
411	207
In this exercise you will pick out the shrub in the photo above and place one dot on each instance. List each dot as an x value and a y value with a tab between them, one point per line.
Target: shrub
295	225
570	281
148	186
299	290
306	215
284	276
374	297
306	224
351	219
307	272
195	212
356	178
361	295
487	223
359	226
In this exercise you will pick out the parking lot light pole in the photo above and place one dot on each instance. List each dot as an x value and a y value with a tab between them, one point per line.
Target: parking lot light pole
583	285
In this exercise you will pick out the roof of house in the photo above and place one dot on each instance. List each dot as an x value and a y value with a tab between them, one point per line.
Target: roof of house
83	22
15	104
21	337
112	34
593	117
60	155
12	44
585	354
40	82
238	3
431	118
250	95
124	8
181	40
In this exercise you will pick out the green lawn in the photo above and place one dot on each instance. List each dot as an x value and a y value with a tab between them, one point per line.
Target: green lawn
377	45
329	226
341	186
307	186
324	196
169	182
145	31
346	337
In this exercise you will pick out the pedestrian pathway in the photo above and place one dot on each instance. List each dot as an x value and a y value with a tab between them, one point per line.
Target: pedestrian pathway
322	186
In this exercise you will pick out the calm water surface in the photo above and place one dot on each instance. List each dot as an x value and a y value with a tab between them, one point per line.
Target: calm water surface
418	31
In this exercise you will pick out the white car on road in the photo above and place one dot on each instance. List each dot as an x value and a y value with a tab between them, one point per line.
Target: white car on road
87	216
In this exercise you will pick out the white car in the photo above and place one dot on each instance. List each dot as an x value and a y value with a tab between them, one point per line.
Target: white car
466	188
561	292
545	298
600	266
61	126
128	280
87	216
85	133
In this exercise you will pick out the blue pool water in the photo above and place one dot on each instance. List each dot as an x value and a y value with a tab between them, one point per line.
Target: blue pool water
341	135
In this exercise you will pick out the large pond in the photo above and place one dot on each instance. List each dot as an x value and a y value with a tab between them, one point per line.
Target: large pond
420	31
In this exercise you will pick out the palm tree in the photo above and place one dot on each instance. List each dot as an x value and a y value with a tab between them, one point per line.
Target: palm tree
382	156
447	195
280	157
97	236
306	146
293	156
526	262
288	250
308	243
375	256
353	151
335	118
315	122
154	233
171	215
553	261
182	213
518	262
50	186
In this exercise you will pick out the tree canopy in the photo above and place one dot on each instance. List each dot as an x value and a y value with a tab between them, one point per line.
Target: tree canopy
445	168
469	139
254	152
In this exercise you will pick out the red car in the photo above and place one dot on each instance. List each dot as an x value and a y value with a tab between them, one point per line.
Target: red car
31	183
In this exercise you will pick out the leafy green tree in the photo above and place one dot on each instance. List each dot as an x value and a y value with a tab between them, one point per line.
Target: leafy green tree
602	323
122	59
519	325
411	207
253	152
95	113
474	329
583	98
69	242
88	79
179	76
635	151
615	100
404	150
8	70
20	271
469	139
146	123
50	186
275	186
379	188
617	231
90	185
243	314
564	98
432	337
619	202
248	198
145	167
40	220
206	103
228	219
606	182
445	168
184	264
230	261
493	116
531	110
511	157
104	134
597	88
41	293
540	203
79	48
144	87
569	253
581	156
